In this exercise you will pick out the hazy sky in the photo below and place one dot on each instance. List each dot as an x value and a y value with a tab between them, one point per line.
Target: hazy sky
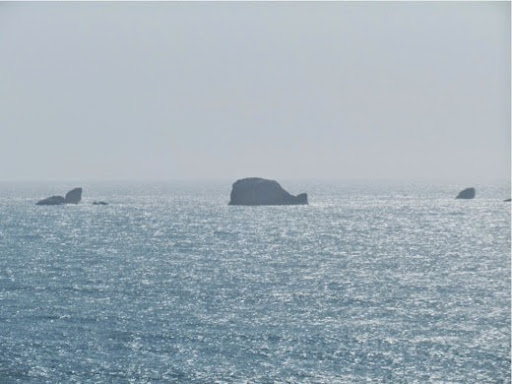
406	90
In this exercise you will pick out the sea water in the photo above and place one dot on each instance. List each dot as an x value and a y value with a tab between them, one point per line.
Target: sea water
168	284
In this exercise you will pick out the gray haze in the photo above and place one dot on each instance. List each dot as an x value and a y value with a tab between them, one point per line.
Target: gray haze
406	91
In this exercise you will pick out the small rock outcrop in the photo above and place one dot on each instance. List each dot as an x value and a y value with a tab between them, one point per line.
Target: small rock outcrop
99	203
72	197
258	191
468	193
507	200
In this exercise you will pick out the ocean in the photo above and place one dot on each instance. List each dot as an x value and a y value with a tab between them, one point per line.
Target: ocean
369	283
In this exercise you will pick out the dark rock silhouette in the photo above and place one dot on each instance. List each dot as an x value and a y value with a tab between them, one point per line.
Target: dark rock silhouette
72	197
99	203
52	200
508	200
468	193
258	191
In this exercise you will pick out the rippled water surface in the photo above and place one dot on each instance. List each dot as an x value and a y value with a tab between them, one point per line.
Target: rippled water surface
368	283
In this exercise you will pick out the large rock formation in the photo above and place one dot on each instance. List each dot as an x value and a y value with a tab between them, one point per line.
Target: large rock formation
468	193
52	200
72	197
257	191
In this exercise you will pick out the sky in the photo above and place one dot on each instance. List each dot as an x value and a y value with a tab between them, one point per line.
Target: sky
404	91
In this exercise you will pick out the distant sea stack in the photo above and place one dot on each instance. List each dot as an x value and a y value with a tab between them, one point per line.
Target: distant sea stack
258	191
468	193
72	197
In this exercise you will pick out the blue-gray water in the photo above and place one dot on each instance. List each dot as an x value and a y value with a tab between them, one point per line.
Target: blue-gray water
369	283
